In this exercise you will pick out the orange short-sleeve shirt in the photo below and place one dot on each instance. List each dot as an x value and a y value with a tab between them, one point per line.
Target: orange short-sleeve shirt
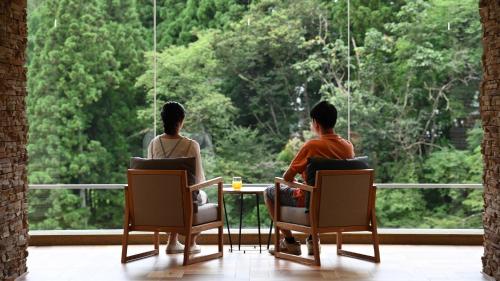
327	146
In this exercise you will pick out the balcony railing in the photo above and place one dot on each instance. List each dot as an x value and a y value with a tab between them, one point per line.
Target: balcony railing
111	234
379	185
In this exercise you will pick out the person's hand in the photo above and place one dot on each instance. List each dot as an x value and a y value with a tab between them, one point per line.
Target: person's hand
289	176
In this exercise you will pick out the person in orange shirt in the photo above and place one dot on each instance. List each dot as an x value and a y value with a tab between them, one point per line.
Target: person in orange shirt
327	145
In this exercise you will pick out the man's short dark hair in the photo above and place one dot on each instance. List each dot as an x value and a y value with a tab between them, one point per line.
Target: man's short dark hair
325	114
172	115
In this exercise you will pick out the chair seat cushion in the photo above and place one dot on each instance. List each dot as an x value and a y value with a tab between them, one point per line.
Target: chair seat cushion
295	215
206	213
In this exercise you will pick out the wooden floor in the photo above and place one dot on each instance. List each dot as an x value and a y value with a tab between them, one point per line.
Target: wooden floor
398	263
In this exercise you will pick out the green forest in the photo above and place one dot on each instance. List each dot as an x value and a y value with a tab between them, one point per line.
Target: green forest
248	73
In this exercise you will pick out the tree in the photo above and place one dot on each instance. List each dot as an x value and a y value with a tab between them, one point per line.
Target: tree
178	21
82	103
410	82
188	74
258	54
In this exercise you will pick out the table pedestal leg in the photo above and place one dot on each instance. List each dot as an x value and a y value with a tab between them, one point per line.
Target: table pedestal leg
227	224
269	237
241	218
258	221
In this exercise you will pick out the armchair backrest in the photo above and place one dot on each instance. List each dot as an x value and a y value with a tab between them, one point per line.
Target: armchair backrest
346	197
315	164
157	197
180	163
187	164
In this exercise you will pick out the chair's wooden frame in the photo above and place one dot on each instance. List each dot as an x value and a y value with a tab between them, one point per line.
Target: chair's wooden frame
315	230
187	230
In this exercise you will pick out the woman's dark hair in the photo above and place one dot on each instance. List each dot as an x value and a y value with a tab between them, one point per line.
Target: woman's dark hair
325	114
172	115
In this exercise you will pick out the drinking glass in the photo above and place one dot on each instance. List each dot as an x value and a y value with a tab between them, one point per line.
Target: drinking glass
237	183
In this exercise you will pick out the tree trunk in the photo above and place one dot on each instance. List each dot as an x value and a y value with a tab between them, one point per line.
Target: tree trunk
490	115
13	139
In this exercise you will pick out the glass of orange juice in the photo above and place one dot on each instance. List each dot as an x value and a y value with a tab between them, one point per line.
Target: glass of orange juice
237	183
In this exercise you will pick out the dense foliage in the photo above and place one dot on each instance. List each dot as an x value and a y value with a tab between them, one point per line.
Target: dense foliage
248	73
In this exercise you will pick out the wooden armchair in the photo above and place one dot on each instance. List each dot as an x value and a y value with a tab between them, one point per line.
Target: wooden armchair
161	201
341	201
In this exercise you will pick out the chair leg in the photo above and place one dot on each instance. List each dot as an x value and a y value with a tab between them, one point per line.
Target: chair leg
317	260
126	258
276	238
283	255
221	243
156	241
307	261
375	245
345	253
201	258
124	245
339	242
187	244
375	236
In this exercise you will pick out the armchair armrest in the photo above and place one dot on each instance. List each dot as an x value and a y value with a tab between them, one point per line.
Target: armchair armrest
204	184
219	181
299	185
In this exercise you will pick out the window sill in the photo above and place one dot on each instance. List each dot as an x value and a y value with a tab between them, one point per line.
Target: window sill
250	236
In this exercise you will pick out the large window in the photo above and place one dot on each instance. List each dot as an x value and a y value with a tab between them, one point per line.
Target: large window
415	79
403	74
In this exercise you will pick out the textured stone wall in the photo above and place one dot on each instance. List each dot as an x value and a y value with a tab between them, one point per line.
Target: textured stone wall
13	138
490	115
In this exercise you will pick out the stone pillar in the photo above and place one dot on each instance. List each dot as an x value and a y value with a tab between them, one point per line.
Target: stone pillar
490	115
13	139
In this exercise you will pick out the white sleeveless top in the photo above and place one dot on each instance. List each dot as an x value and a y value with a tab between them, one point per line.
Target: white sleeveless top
162	147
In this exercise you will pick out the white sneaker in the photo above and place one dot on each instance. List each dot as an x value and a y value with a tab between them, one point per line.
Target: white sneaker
195	249
310	248
176	248
288	248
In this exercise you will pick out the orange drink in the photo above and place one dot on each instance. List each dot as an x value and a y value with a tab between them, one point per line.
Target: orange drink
237	183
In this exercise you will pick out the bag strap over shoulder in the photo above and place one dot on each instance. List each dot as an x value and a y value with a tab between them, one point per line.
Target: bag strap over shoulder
189	147
162	148
171	151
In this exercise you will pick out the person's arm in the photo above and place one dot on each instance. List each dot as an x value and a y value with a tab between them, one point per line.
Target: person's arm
351	148
150	150
200	174
289	175
298	164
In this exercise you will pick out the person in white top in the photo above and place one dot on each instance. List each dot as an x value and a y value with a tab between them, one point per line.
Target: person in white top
172	145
